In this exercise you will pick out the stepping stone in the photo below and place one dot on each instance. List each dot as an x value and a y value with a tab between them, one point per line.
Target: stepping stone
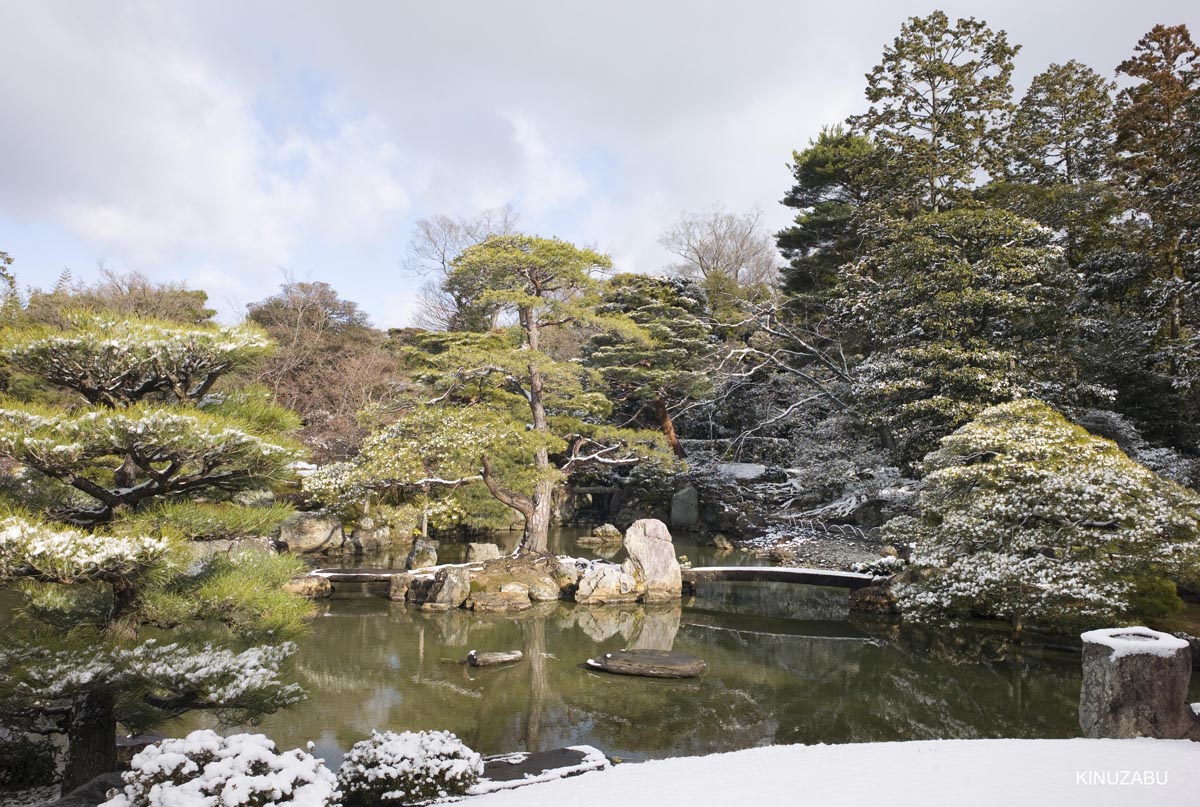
649	663
477	659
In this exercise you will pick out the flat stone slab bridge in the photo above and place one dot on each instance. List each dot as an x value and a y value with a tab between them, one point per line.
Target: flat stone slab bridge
775	574
698	574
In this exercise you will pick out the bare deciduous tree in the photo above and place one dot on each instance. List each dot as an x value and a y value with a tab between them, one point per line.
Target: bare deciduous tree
719	247
435	243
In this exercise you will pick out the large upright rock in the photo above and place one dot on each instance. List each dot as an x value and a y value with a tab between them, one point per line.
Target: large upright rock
451	587
685	507
652	560
605	583
1135	684
312	533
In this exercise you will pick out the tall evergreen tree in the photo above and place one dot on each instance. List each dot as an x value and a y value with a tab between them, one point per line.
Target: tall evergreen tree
1058	152
940	100
961	309
662	367
829	195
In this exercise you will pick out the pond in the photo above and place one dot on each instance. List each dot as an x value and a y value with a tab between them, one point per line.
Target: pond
786	664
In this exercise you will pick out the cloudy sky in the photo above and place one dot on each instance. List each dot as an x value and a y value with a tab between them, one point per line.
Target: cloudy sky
226	143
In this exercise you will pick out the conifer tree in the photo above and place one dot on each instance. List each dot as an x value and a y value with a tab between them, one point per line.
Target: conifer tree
960	310
80	656
665	365
1058	150
829	194
940	100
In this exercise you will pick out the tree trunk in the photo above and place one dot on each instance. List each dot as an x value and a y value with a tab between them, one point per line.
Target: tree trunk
668	427
537	522
91	740
536	537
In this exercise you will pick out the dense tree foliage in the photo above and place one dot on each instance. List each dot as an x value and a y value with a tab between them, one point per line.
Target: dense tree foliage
81	654
940	102
960	310
1027	517
663	366
329	365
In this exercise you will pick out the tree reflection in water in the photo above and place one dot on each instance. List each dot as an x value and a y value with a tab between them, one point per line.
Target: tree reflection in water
369	664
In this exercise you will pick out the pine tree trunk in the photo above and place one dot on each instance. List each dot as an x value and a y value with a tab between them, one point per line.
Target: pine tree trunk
668	427
537	523
91	740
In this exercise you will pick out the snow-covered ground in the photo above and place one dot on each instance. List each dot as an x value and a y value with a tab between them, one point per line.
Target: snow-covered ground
979	773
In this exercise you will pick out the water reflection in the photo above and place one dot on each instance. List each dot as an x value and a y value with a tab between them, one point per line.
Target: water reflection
815	677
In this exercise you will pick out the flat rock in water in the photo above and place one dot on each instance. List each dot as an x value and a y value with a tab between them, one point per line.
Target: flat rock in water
649	663
486	659
508	771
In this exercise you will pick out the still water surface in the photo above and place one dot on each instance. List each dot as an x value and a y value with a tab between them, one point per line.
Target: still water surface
786	664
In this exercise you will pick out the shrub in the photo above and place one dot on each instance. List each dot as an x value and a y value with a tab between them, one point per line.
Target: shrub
26	762
1027	517
408	768
204	769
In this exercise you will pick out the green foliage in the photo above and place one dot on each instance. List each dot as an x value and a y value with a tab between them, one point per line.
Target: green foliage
93	607
120	362
26	762
940	102
1062	129
664	365
121	458
829	194
1027	517
960	310
203	521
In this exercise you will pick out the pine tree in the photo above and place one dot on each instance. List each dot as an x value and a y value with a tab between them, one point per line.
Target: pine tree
80	655
940	100
959	310
155	430
666	365
547	416
830	194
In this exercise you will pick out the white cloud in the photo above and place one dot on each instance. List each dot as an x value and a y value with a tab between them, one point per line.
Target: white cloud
240	138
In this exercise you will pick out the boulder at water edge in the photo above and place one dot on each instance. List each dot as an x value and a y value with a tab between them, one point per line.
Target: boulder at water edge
482	552
421	555
312	533
652	562
606	583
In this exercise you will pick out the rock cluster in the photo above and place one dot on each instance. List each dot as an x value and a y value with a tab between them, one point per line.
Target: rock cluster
650	574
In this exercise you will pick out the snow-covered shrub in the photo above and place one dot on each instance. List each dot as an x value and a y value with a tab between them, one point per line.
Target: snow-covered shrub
408	768
1027	517
205	769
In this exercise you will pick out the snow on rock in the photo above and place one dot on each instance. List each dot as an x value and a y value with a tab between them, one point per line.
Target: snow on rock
985	773
1135	641
741	470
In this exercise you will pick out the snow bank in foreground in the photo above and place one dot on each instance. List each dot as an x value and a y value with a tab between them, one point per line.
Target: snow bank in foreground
982	773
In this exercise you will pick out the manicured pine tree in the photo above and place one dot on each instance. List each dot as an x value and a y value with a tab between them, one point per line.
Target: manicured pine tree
666	365
155	429
79	655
